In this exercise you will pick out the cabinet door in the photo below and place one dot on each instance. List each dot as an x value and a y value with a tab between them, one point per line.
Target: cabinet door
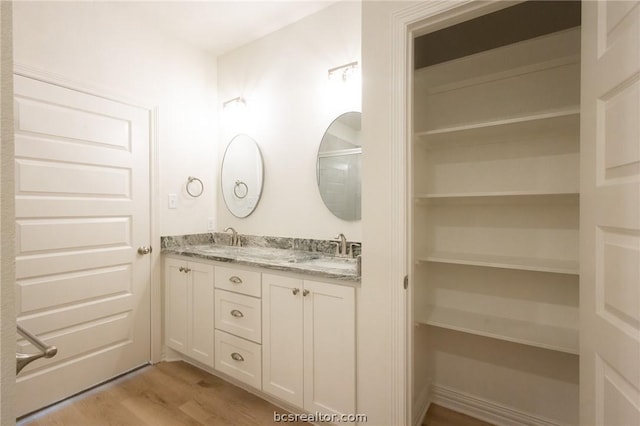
176	304
329	348
282	316
201	312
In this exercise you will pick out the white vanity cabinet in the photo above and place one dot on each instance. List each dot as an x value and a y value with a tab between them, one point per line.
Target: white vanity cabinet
189	308
291	338
308	343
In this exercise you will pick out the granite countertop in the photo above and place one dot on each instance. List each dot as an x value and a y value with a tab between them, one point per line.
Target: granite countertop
313	263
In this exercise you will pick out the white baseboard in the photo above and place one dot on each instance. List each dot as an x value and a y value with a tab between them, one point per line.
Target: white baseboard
421	405
483	409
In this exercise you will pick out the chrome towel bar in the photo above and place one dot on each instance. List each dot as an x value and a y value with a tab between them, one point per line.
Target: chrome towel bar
22	360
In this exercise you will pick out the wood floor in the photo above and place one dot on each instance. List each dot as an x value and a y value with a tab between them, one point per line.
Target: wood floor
176	394
440	416
166	394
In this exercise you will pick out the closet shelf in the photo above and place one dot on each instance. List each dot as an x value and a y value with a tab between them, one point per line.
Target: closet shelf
496	194
518	331
506	262
525	119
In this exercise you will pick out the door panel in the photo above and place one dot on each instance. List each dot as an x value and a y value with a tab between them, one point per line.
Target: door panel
82	209
71	179
282	345
610	214
201	311
65	289
329	348
176	304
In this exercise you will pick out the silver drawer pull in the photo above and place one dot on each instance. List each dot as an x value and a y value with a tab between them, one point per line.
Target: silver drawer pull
237	357
236	313
235	280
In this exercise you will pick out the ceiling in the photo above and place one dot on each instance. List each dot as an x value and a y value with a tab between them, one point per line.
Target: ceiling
218	26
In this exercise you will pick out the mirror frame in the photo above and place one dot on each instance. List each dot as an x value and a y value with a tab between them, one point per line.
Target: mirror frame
348	219
261	177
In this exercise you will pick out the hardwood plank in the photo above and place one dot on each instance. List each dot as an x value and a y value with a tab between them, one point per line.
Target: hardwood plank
182	371
155	411
441	416
64	416
105	405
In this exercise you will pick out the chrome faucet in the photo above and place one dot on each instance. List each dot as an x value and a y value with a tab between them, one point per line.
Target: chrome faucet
341	250
235	241
352	247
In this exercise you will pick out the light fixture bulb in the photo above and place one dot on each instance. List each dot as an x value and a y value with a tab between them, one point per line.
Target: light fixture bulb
235	103
343	72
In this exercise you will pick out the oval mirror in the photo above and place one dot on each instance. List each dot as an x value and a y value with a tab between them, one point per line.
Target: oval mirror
339	166
242	175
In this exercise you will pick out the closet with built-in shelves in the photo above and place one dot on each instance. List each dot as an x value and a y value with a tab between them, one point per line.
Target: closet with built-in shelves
495	226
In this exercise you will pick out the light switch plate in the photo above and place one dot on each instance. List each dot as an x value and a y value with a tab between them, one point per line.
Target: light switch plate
173	201
210	221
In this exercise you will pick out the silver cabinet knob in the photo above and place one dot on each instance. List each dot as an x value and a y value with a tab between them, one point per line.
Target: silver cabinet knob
236	313
144	250
305	292
295	291
237	357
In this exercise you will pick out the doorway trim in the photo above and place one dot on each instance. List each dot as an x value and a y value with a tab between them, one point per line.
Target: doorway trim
155	289
406	24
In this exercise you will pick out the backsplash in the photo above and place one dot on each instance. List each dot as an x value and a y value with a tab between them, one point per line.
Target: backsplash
186	240
221	238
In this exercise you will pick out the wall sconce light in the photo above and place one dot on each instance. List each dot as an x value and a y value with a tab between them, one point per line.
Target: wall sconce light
234	104
343	72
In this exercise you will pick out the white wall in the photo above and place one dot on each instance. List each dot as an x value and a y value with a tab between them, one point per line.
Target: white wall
7	223
290	103
95	44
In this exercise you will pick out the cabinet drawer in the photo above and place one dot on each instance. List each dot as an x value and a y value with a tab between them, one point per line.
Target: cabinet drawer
239	358
238	280
238	314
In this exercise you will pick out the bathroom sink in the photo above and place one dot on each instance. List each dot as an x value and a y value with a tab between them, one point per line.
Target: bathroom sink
258	254
333	263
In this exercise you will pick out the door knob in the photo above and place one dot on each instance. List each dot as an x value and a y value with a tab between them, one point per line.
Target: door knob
144	250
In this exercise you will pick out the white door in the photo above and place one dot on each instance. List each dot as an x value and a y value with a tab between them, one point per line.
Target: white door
82	211
329	348
282	328
610	214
